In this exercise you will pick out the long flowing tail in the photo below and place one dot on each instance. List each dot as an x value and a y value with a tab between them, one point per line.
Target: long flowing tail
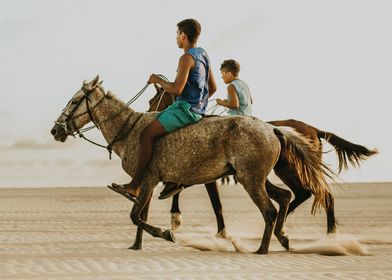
346	151
298	155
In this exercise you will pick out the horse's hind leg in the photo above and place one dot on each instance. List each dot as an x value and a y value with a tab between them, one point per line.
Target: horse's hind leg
301	195
213	193
258	194
282	197
330	210
290	178
137	245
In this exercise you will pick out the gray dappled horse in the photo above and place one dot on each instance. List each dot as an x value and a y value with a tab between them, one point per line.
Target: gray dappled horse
196	154
346	151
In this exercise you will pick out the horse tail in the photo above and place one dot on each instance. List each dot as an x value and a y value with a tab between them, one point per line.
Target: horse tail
298	156
346	151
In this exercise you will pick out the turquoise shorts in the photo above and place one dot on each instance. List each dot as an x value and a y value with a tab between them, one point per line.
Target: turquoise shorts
177	115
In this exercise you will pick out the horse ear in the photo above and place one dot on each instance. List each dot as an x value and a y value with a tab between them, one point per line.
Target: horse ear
95	81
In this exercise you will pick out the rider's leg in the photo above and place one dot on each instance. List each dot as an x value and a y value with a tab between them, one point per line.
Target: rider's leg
149	135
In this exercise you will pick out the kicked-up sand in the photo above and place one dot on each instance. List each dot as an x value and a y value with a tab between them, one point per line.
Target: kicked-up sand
84	233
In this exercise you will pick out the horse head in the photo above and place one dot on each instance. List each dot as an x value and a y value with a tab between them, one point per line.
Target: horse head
161	100
77	112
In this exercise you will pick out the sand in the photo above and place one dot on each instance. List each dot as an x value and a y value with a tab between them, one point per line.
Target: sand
83	233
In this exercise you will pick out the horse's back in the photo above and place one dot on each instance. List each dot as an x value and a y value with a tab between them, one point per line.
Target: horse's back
222	129
214	145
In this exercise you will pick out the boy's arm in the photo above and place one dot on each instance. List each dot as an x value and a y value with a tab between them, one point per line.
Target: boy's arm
234	103
185	65
211	84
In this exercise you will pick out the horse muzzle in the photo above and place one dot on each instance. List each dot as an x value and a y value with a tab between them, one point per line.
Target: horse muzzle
59	133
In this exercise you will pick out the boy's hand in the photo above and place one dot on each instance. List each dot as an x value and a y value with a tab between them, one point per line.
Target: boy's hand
220	102
154	79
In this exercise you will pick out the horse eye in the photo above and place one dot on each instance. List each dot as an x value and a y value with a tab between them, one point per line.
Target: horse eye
74	101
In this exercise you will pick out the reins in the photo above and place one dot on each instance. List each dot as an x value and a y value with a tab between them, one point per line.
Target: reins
123	131
120	134
133	99
214	108
160	100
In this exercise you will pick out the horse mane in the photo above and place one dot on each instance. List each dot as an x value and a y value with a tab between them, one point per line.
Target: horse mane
115	99
110	95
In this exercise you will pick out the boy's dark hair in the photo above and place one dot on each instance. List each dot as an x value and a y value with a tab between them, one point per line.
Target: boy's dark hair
191	28
231	66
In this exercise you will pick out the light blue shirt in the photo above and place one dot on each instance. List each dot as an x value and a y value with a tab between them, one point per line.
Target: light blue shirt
244	98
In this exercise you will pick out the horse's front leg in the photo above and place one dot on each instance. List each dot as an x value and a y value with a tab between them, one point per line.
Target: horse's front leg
330	210
137	245
213	193
175	212
143	198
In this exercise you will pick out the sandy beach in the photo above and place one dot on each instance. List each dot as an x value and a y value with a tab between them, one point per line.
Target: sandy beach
84	233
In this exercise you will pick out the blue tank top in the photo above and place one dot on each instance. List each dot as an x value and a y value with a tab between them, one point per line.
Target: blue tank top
196	88
244	98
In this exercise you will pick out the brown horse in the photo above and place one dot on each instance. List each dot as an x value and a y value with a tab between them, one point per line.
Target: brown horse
347	152
210	149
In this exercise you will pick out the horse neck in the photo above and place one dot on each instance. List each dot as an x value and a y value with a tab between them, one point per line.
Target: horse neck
109	120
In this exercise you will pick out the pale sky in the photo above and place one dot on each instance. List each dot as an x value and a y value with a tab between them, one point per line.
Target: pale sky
327	63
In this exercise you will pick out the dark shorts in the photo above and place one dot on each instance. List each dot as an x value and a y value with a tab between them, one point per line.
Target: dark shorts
177	115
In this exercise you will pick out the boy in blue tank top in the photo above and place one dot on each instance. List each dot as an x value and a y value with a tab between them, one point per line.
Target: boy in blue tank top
193	85
239	101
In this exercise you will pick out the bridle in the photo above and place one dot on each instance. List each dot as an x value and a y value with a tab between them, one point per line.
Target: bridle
70	118
123	131
69	124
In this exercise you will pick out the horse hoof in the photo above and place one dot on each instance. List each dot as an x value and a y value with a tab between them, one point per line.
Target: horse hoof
169	236
284	241
261	252
135	247
176	219
222	234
